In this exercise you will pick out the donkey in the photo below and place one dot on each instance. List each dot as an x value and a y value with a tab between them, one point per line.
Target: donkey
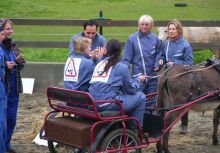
180	84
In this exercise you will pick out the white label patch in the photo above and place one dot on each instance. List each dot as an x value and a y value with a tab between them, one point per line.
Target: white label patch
97	74
71	70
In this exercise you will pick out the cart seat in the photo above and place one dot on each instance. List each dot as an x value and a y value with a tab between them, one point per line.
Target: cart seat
80	103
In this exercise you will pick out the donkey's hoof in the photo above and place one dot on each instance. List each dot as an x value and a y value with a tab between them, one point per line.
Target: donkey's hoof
167	151
159	150
214	140
214	143
183	129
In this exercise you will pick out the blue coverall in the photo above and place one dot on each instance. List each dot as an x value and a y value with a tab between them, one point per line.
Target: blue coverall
118	84
3	104
98	41
178	51
13	99
82	74
142	53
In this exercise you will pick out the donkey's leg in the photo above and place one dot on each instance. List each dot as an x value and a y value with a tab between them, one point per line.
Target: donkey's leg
216	116
165	142
159	147
184	124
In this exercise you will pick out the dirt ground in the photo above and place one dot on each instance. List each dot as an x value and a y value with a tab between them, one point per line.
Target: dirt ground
33	108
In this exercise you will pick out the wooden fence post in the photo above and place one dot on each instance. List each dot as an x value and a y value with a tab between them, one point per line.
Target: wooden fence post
100	18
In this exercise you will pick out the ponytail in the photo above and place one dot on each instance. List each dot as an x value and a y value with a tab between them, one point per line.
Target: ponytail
113	47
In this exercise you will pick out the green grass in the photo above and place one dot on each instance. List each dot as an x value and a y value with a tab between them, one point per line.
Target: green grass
86	9
45	55
60	55
202	56
114	9
64	33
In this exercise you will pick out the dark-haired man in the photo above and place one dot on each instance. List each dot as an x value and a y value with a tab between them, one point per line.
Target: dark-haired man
90	31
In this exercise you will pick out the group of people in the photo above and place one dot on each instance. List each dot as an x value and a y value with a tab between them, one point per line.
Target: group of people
11	63
95	66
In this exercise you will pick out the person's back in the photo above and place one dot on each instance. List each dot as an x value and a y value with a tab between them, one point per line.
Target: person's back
90	31
111	80
79	66
113	83
77	73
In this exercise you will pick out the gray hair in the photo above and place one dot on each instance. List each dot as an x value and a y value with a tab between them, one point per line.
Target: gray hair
146	19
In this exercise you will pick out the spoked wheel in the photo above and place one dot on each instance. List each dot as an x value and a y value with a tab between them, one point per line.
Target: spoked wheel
115	140
61	148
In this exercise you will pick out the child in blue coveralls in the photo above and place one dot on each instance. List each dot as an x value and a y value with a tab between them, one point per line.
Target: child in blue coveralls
111	80
14	63
3	97
142	53
80	65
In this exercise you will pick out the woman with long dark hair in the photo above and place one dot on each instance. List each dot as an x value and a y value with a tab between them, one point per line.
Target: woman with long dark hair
112	80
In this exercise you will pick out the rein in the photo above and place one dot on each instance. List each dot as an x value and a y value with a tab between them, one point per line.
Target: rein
196	70
157	76
164	109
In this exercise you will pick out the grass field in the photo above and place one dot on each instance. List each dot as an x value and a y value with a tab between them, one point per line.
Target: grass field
86	9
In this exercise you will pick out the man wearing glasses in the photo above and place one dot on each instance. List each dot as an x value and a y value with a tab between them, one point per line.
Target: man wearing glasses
90	31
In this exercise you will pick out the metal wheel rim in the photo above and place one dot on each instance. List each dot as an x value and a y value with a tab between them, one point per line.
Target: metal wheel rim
119	139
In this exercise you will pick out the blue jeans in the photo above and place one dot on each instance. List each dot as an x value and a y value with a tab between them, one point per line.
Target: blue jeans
12	108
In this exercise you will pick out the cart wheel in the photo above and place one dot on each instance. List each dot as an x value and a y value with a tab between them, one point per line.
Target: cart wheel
60	148
115	140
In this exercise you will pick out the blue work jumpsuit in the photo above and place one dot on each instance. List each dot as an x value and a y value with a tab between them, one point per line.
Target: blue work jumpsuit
98	41
178	51
142	53
78	75
13	93
118	84
3	104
